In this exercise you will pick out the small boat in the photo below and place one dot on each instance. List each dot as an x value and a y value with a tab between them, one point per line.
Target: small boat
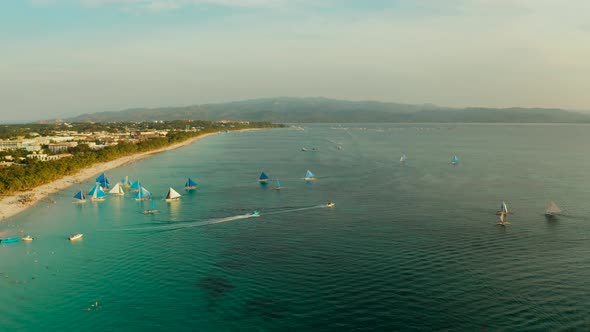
304	149
455	160
103	181
152	210
309	176
96	193
142	194
9	240
503	209
403	158
503	221
330	204
135	186
27	238
255	214
172	195
552	210
190	185
126	182
117	190
75	237
339	147
263	178
80	197
277	185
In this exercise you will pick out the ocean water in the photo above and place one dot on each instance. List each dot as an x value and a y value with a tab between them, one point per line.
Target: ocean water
409	247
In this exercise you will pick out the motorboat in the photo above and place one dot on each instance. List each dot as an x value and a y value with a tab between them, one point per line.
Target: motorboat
76	236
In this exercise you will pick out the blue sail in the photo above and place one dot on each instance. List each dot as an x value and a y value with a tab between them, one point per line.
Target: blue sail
143	193
153	205
263	176
94	189
309	174
103	180
80	195
100	193
190	183
455	159
136	185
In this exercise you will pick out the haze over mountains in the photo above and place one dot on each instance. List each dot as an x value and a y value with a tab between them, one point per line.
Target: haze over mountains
318	109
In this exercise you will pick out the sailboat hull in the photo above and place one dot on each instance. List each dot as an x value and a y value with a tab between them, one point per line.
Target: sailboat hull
177	199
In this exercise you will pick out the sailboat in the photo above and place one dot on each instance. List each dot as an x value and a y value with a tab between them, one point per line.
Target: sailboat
455	160
263	178
126	182
309	176
552	210
403	158
80	197
135	186
277	185
503	209
190	184
117	190
172	195
96	193
151	210
142	194
103	181
503	221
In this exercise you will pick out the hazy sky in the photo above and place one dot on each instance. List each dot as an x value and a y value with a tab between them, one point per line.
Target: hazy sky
65	57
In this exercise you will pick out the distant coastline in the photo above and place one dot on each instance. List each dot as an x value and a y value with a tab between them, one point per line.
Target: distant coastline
10	206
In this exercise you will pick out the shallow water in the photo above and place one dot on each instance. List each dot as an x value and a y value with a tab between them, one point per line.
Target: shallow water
407	247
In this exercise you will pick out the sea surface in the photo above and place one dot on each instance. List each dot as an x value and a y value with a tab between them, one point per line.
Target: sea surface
408	247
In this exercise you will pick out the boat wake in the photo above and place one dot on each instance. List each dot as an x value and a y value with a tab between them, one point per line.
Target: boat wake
151	227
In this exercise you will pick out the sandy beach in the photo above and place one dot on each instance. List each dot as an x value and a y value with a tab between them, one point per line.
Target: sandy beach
10	205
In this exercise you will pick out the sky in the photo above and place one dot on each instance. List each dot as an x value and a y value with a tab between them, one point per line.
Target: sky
66	57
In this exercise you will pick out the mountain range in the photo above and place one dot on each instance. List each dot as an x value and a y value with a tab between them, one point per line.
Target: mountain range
318	109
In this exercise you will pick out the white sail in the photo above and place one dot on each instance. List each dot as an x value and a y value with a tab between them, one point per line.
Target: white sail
172	194
117	190
552	208
505	207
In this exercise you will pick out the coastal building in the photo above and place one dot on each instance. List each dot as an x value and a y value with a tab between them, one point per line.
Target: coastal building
61	147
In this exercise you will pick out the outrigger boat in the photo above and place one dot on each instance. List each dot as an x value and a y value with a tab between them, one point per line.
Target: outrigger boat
152	210
27	238
80	197
277	185
263	178
503	209
552	210
9	240
117	190
76	236
330	204
403	158
309	176
503	221
96	193
143	194
172	195
190	185
255	214
455	160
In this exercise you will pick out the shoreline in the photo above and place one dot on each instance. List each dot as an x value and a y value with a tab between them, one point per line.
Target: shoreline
9	205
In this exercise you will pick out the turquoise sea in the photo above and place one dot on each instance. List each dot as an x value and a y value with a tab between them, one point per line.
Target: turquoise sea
409	247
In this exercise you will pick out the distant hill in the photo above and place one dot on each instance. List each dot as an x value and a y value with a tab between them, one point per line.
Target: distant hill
286	109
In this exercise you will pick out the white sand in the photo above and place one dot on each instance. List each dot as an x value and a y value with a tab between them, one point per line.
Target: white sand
9	206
